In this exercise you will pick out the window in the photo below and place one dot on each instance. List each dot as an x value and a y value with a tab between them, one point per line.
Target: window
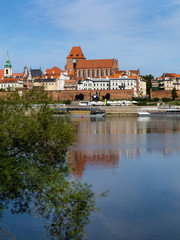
97	73
6	71
101	72
88	73
106	72
92	74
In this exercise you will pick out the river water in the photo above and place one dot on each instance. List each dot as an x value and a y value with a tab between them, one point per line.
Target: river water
137	161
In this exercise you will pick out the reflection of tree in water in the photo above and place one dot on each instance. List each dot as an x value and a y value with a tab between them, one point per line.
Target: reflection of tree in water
5	234
33	169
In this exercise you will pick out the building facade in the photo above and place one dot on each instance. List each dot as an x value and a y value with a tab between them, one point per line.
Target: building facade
168	81
83	68
120	83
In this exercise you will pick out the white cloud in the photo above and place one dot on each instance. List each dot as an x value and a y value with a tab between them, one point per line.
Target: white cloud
139	33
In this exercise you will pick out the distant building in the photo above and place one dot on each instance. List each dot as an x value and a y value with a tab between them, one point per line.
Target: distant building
9	80
83	68
11	84
116	83
168	81
55	79
7	67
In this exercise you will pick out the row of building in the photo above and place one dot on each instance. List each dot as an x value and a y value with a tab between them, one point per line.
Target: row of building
167	81
79	74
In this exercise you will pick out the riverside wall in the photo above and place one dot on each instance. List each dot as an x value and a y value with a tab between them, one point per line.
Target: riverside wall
163	94
71	94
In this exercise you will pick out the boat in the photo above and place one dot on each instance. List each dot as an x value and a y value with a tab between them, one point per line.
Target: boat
143	113
80	111
84	103
160	112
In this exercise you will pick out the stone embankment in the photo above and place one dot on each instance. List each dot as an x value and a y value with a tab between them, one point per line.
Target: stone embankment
122	110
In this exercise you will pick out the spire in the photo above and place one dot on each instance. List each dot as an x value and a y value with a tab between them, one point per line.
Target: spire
8	64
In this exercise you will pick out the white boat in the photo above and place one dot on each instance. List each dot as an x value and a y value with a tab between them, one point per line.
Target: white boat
143	113
84	103
160	112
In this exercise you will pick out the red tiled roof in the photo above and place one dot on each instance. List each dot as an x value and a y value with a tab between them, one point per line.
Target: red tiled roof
70	81
54	70
176	75
97	63
9	80
76	52
17	74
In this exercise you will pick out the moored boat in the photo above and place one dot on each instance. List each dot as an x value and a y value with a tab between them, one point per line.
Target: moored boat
80	111
160	112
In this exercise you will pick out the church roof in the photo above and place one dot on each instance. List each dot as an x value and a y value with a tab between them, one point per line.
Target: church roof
8	64
76	52
97	63
36	72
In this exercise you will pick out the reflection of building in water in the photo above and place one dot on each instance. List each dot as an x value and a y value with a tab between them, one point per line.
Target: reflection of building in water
103	143
159	124
79	160
129	153
116	125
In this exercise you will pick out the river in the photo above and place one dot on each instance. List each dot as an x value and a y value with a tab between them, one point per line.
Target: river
137	161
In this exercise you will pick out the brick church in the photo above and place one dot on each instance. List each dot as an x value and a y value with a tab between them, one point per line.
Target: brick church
80	68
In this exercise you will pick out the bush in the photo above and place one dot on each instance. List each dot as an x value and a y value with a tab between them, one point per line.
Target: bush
67	102
156	99
141	103
79	97
164	99
107	96
138	99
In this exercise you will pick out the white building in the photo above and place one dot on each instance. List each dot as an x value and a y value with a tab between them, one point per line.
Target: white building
94	84
60	81
11	84
50	83
123	82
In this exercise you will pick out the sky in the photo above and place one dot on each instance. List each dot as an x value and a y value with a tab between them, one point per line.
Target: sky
141	34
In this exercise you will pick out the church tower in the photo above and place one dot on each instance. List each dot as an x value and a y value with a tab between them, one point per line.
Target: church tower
7	67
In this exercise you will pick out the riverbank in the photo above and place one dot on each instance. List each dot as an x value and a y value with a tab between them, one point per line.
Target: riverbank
125	110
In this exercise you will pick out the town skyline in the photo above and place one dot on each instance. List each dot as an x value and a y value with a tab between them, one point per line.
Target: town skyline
139	34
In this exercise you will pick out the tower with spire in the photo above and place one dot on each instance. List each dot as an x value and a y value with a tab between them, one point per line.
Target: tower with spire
7	67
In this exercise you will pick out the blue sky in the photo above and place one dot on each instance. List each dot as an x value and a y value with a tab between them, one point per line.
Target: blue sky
140	34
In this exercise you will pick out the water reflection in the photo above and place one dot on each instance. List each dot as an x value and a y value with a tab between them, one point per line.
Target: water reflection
103	143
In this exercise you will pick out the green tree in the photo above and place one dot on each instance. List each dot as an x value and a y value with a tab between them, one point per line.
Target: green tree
174	94
34	171
148	79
